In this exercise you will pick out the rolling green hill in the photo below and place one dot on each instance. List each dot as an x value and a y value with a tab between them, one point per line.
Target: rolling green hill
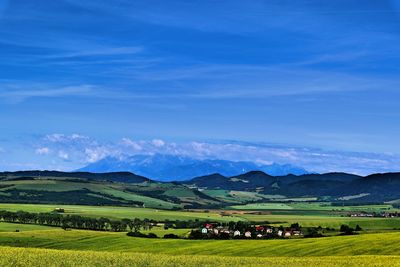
383	244
86	190
332	186
207	192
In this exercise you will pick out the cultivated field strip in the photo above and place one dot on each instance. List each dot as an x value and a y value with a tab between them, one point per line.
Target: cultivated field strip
367	244
30	257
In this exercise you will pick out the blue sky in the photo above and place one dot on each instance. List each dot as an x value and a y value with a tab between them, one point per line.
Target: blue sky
300	74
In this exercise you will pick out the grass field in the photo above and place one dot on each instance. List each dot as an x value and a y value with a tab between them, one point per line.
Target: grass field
12	227
365	244
160	231
28	257
314	206
305	219
326	221
35	245
263	206
120	212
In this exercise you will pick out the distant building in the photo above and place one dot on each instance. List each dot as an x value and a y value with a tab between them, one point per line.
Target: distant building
236	233
296	232
247	234
204	231
209	226
260	228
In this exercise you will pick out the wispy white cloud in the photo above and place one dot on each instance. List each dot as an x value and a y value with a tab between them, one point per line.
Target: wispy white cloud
63	138
108	51
158	142
42	151
63	155
17	92
251	81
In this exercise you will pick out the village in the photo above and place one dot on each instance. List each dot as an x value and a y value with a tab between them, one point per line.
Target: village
211	231
376	214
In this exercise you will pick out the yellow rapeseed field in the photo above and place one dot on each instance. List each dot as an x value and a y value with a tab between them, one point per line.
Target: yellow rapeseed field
48	257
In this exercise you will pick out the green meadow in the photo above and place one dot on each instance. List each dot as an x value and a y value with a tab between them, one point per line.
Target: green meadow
33	245
326	221
13	227
363	244
303	218
313	206
113	212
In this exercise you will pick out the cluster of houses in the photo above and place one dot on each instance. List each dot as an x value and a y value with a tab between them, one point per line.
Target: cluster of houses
254	231
375	214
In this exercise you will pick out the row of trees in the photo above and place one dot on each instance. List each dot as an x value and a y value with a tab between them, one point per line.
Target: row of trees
98	224
76	221
347	230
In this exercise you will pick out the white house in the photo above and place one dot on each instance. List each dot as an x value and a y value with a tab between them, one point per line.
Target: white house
280	232
236	233
288	234
247	234
296	232
204	231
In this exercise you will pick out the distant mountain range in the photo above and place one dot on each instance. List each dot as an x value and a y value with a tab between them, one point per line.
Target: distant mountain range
335	186
214	190
163	167
297	185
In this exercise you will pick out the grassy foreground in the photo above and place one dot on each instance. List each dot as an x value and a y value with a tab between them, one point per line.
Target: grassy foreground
366	244
48	257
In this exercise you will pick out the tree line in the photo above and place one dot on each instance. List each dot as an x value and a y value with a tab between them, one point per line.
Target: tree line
76	221
102	224
105	224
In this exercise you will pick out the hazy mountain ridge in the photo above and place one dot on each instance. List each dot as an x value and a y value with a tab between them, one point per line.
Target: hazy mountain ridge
376	187
127	188
165	167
